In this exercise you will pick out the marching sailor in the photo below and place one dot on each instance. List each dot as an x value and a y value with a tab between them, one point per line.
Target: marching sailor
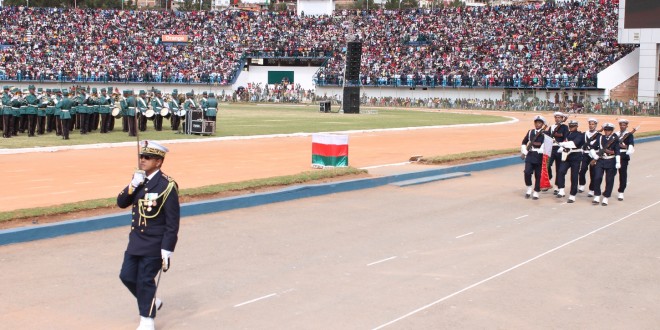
571	156
532	151
606	155
157	105
557	132
627	145
590	137
154	229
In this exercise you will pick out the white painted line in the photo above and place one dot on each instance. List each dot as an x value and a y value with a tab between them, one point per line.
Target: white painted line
522	216
384	165
470	233
254	300
514	267
649	176
379	261
83	182
39	187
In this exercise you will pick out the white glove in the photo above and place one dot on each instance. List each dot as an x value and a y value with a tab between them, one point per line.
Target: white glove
166	259
618	162
138	178
631	150
593	154
523	150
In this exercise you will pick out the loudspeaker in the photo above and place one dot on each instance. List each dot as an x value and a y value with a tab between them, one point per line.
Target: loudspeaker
351	102
324	106
353	59
197	114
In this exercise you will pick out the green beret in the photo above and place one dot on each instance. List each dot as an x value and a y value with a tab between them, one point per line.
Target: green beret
94	90
31	87
142	92
48	90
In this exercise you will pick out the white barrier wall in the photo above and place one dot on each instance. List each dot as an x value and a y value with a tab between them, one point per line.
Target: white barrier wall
619	72
649	54
315	7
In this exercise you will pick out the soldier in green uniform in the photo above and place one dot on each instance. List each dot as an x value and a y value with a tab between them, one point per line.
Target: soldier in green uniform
18	105
104	110
64	108
211	107
50	110
129	107
56	112
175	120
142	109
31	110
94	115
189	105
41	112
7	113
157	105
82	111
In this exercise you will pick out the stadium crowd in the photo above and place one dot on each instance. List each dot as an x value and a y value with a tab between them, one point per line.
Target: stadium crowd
547	46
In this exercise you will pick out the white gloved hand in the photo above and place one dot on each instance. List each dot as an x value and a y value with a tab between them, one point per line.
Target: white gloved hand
631	150
618	162
523	150
166	259
138	178
593	154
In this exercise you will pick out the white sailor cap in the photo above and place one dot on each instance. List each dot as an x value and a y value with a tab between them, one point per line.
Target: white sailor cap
540	118
608	126
153	148
559	113
573	123
593	120
623	121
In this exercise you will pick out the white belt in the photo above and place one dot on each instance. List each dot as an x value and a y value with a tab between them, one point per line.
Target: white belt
622	150
131	107
536	149
607	157
571	151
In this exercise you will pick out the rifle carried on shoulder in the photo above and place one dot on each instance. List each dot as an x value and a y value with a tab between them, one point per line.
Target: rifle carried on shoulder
530	143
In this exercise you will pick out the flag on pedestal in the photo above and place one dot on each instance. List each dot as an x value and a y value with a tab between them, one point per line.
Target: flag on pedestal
329	150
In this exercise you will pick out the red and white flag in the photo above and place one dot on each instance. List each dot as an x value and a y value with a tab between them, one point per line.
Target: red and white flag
547	151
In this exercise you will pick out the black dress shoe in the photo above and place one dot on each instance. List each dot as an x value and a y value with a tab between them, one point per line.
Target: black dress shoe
527	196
570	201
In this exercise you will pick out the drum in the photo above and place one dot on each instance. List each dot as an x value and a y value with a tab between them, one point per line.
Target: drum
181	113
116	112
149	113
164	112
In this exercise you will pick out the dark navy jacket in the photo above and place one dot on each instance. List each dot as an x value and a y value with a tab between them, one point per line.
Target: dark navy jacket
534	157
603	150
623	144
578	139
156	215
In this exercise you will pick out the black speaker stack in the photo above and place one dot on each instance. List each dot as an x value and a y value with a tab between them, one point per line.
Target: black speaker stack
351	100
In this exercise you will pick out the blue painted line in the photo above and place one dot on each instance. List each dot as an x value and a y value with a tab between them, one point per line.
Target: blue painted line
428	179
26	234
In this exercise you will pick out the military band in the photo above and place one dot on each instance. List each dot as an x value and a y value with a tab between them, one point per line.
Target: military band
34	111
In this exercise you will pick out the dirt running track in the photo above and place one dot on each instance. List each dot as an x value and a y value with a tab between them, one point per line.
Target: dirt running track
51	178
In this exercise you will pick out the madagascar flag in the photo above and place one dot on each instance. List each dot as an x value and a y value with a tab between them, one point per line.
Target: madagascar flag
547	151
329	150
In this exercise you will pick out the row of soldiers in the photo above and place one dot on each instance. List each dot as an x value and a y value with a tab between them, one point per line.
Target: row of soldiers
602	153
39	112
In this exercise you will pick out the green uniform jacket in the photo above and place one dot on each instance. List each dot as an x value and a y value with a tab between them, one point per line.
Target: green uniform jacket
32	103
64	108
212	107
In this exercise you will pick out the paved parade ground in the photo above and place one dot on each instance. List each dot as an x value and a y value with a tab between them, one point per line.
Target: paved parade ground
465	253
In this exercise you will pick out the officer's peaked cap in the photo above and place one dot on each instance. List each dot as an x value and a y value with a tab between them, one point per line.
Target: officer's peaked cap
152	148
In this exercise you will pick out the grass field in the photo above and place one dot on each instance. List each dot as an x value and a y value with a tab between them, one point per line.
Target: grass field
247	120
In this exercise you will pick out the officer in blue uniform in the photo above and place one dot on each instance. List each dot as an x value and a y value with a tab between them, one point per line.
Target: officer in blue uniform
627	145
533	157
606	154
571	156
154	229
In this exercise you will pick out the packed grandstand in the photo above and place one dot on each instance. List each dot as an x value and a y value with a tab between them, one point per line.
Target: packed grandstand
562	45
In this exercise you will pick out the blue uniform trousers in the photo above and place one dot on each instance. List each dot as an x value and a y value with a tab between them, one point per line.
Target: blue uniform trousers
138	275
